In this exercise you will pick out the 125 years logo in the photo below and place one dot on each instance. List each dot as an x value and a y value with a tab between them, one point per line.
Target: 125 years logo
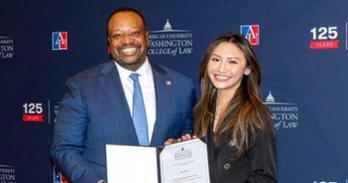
324	37
33	112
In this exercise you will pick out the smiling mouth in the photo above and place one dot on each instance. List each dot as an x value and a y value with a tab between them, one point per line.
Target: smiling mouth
221	77
128	51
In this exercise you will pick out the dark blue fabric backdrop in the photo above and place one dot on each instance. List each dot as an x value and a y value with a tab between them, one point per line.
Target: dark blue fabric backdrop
305	86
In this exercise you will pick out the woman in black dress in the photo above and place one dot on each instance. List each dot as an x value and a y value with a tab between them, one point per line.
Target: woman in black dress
231	117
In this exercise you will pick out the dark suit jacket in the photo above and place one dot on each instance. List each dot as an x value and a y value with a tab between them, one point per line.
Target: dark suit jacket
94	112
257	165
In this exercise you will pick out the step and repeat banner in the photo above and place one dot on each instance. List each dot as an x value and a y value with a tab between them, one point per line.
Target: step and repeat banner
301	45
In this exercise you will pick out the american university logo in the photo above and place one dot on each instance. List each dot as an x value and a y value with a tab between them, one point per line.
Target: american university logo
284	115
59	40
170	41
58	177
251	33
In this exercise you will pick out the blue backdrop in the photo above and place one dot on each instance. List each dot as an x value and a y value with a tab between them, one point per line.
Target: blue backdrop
301	46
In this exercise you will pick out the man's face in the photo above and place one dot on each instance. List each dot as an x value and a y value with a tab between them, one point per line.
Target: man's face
127	39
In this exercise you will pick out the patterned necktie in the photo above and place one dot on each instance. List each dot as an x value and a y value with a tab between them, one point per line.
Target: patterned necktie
139	113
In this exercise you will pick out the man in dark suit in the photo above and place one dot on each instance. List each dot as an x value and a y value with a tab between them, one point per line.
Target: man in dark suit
97	108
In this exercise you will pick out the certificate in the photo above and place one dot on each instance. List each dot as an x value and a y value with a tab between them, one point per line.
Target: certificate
184	162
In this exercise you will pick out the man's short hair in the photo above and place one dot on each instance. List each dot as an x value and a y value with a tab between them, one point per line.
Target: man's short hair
127	9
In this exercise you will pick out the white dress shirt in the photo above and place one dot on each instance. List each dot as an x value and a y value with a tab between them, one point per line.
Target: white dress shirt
147	88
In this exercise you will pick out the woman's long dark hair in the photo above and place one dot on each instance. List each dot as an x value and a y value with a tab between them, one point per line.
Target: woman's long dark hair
246	112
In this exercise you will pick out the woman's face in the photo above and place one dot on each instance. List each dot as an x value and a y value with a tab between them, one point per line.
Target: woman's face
227	66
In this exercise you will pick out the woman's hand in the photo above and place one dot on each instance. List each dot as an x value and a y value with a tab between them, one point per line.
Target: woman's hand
182	138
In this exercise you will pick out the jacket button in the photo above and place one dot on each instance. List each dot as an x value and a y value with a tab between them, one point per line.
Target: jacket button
227	166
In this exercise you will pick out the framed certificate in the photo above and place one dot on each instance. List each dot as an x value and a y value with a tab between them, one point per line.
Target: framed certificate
184	162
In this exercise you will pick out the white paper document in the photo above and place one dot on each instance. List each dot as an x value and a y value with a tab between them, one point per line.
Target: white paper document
184	162
131	164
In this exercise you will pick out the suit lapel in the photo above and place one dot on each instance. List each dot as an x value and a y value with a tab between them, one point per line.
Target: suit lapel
162	89
111	83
